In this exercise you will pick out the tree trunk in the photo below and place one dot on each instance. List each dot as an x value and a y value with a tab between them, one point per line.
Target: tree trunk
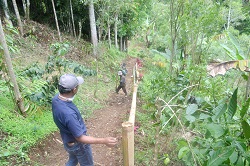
172	57
80	30
70	27
100	31
109	35
57	26
194	40
7	59
28	10
18	17
104	37
121	46
72	16
126	44
115	29
6	12
175	13
229	16
248	87
93	27
172	29
148	43
24	7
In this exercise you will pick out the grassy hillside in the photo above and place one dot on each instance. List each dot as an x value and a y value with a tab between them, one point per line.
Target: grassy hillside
31	58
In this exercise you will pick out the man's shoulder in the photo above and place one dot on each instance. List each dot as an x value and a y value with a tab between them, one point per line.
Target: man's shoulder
55	98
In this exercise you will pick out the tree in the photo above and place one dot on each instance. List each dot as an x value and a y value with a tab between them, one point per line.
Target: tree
104	21
20	24
243	25
93	27
116	29
6	12
233	13
72	16
176	11
201	21
57	26
11	74
26	8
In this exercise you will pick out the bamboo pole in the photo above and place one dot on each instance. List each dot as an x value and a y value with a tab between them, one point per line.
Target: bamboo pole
128	143
136	74
133	105
133	78
128	127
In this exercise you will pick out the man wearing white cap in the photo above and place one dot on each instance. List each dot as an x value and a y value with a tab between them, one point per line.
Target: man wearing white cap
71	125
122	84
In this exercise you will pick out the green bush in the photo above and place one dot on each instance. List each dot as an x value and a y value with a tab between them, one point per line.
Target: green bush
19	133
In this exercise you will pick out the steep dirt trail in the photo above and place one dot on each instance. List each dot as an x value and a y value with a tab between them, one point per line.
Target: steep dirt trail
104	122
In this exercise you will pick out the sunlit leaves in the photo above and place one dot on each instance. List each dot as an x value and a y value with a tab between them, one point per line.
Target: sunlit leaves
60	49
189	111
182	152
233	104
215	130
246	129
219	111
244	109
219	156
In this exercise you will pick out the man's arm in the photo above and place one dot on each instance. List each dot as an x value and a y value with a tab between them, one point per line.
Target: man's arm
108	141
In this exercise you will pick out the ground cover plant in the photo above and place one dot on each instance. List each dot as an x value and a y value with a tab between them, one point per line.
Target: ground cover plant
19	134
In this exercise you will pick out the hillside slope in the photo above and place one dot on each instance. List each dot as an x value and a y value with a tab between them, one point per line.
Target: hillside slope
35	47
104	122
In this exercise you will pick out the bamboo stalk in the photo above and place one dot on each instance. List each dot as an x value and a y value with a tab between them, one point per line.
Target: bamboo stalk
128	127
133	105
128	143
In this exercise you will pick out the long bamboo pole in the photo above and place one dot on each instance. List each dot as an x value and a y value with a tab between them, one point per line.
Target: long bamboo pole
128	127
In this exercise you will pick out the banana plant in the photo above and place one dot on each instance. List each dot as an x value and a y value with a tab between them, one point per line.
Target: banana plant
239	61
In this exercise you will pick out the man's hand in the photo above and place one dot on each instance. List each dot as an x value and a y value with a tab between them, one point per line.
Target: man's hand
110	141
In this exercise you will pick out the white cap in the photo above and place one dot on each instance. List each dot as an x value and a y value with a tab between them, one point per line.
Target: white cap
70	81
119	73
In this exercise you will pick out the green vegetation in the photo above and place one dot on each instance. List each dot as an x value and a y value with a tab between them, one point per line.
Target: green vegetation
187	116
18	134
37	82
194	107
195	119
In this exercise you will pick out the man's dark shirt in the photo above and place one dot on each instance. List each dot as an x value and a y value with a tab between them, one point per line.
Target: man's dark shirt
122	81
68	119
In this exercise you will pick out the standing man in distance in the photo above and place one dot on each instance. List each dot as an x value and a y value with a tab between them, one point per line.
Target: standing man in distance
71	125
122	83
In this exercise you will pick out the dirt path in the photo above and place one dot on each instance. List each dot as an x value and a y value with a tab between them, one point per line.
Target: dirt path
104	122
